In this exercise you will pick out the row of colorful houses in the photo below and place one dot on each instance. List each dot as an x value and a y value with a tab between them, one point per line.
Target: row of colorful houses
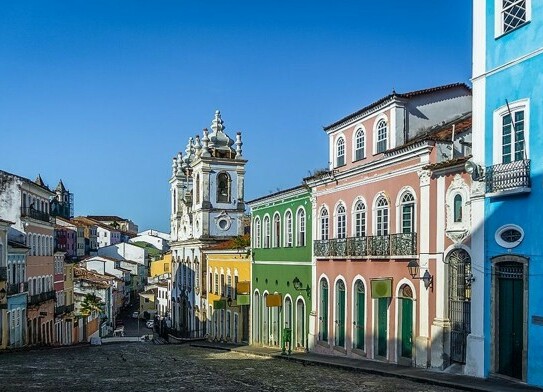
50	262
416	245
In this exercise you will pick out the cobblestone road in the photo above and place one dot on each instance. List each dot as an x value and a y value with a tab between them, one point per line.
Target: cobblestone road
149	367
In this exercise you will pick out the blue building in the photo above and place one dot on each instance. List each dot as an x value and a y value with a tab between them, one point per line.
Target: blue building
507	166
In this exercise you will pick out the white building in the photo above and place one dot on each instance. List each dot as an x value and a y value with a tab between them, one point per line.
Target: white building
207	205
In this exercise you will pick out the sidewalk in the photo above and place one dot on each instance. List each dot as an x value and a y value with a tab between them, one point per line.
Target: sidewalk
426	376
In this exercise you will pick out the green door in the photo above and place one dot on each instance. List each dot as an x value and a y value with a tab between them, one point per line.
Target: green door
510	326
382	323
324	311
340	314
359	318
407	327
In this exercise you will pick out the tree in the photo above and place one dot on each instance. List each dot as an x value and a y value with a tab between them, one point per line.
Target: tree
91	303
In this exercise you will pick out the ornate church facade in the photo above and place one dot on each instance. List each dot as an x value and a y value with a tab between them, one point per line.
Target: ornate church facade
207	206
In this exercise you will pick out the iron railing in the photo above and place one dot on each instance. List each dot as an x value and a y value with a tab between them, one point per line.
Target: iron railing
35	214
3	273
70	308
379	245
41	297
60	310
508	176
17	288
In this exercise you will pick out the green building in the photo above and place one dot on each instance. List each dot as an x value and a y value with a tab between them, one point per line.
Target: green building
281	267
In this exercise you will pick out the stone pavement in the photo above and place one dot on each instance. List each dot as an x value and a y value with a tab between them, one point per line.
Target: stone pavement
426	376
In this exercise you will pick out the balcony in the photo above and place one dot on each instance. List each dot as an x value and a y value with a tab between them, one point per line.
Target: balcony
390	245
60	310
513	177
3	273
37	299
35	214
17	288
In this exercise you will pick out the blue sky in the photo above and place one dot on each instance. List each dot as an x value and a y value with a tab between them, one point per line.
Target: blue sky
104	93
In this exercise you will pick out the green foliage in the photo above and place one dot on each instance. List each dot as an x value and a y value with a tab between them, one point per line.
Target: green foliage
91	303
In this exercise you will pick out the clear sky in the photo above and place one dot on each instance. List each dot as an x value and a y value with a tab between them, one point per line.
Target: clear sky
104	93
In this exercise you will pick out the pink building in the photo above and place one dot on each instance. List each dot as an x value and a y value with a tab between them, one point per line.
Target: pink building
395	196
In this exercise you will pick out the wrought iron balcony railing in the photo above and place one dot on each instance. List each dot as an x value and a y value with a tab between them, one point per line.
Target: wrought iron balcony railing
60	310
41	297
380	245
508	176
35	214
70	308
17	288
3	273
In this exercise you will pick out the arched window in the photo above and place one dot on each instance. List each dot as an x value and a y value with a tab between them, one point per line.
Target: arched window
223	188
266	229
256	238
458	208
359	219
276	231
340	152
360	145
197	189
382	136
288	229
407	207
323	311
300	225
340	221
381	216
324	223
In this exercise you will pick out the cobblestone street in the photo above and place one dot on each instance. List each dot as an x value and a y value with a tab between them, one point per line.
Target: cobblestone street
139	367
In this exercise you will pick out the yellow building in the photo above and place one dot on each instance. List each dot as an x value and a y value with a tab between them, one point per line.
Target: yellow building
162	266
228	284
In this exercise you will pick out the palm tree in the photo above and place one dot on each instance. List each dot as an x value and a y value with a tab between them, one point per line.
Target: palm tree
91	303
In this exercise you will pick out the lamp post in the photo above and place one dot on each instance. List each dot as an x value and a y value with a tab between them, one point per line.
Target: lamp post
414	269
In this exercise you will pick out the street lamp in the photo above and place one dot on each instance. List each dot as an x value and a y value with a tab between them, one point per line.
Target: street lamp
475	170
414	268
297	284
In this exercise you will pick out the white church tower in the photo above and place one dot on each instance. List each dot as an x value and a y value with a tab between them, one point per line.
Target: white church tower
207	205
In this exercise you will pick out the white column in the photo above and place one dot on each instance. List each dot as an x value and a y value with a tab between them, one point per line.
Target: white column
422	341
314	284
441	325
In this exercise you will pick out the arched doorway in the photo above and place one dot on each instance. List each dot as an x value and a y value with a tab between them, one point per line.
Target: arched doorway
510	315
405	324
359	315
265	321
256	318
459	302
340	314
300	323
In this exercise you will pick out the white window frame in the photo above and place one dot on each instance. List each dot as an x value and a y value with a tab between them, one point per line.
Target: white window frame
498	18
300	227
363	220
359	130
324	227
341	138
505	244
276	230
266	232
257	234
385	230
522	104
402	203
340	220
378	121
288	235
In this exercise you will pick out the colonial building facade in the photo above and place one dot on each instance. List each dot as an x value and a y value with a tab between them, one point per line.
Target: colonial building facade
385	231
507	333
281	269
207	205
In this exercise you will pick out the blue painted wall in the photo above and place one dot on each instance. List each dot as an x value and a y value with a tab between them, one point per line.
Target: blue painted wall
519	81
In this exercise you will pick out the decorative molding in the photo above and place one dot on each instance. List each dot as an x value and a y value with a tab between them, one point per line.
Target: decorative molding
458	231
424	177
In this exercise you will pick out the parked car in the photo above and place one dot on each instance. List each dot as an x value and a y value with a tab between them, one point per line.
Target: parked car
150	324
